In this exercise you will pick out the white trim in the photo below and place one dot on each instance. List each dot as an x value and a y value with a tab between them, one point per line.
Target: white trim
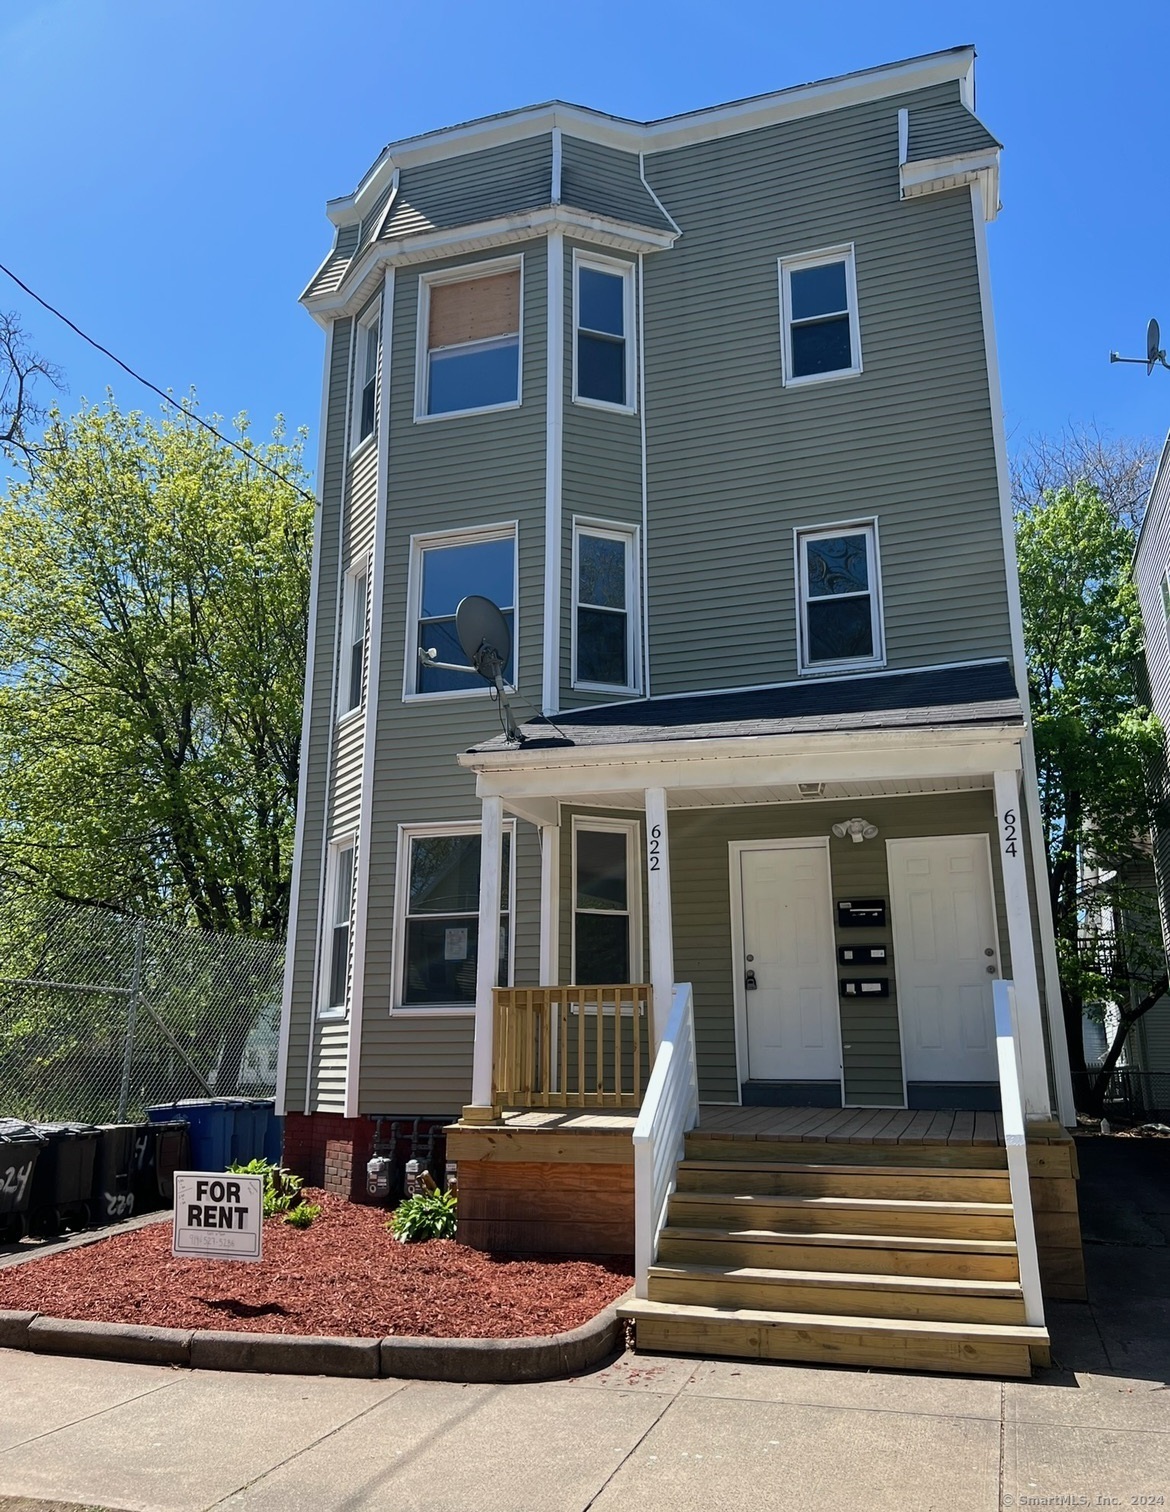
488	268
406	833
550	903
438	540
557	161
339	845
660	924
359	568
1057	1038
903	134
367	327
869	527
390	200
796	263
917	840
665	134
631	828
650	191
644	600
735	849
628	534
618	268
375	597
932	175
1029	1023
290	953
554	420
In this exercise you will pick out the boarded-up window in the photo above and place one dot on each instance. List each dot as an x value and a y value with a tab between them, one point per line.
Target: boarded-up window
473	343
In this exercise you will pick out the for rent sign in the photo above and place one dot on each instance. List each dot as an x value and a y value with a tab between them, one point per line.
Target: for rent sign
218	1216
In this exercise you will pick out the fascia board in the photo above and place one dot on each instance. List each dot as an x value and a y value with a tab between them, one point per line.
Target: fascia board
657	136
1161	474
926	175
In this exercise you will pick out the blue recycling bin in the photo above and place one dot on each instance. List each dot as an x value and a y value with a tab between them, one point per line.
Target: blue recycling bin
212	1122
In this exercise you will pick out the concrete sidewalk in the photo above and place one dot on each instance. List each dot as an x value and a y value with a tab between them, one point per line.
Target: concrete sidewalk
645	1433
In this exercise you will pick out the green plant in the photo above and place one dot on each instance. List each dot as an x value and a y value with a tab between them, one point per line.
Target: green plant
282	1189
301	1217
429	1215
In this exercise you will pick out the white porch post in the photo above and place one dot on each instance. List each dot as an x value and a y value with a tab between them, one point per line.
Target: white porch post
661	925
550	900
487	963
1029	1023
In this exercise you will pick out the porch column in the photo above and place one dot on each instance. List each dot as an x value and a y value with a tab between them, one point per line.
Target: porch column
487	964
550	902
1029	1024
661	924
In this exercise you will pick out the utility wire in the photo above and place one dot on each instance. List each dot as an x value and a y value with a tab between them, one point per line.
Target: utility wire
190	414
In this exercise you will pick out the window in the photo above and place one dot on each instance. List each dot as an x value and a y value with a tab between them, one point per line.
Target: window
1166	603
603	367
470	351
353	639
365	397
840	598
444	570
605	607
818	305
439	916
607	933
339	915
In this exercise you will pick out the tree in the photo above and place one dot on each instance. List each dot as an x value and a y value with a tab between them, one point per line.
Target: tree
1120	469
21	370
1096	744
154	587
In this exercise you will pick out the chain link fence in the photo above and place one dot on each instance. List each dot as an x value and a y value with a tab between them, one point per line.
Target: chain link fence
102	1015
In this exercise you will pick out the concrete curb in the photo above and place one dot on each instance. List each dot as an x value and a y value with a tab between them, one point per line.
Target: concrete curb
480	1360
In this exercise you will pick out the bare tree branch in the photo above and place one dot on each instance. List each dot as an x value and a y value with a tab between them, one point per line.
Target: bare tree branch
1120	468
20	370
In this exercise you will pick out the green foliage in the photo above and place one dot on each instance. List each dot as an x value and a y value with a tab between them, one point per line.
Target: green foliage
282	1189
429	1215
154	589
301	1217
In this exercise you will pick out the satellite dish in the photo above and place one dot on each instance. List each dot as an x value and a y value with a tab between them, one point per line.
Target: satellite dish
484	635
1153	346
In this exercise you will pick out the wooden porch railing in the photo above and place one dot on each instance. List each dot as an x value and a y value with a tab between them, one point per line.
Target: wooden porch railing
572	1047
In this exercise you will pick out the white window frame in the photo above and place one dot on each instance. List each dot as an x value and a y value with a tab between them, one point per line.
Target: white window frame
869	527
476	687
407	833
367	329
625	270
795	264
629	535
337	847
632	829
1165	591
352	604
426	283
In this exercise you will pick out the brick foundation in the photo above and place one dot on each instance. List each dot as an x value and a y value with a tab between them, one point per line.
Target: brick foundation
331	1151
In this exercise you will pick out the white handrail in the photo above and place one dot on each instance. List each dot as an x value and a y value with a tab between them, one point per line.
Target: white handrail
669	1109
1015	1137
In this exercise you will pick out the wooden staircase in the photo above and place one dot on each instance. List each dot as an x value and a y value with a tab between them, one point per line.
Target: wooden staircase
880	1255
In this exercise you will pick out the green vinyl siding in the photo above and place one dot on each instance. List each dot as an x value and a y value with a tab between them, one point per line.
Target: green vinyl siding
475	186
948	130
454	473
736	461
607	182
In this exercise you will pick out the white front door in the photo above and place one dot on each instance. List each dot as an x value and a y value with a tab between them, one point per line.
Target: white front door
793	1028
946	955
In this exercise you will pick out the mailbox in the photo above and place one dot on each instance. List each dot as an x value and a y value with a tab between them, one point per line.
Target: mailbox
875	987
863	955
861	913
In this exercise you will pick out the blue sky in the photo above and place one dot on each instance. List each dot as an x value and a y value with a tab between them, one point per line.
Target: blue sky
167	167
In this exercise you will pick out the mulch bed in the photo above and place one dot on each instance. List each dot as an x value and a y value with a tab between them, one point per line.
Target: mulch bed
345	1275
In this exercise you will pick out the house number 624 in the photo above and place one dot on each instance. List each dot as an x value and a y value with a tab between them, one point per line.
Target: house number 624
1010	832
656	848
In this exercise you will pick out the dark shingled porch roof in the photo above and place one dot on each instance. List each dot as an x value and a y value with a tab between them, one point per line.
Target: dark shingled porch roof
938	697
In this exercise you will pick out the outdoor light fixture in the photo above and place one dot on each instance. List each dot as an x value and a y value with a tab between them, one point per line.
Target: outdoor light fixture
857	830
811	789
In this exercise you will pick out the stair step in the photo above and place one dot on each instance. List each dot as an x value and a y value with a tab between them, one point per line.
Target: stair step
885	1254
943	1299
976	1220
924	1183
995	1349
745	1148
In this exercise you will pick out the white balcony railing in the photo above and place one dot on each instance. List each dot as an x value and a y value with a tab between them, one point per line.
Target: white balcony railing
1016	1140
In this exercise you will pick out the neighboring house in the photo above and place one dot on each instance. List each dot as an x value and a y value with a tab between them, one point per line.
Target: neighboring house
1149	1042
709	408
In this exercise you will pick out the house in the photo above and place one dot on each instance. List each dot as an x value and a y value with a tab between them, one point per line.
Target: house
708	408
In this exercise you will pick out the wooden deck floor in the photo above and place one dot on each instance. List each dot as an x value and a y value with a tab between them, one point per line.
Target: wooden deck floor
792	1125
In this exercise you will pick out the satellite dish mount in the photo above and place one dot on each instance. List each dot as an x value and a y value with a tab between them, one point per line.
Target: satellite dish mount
1155	351
487	644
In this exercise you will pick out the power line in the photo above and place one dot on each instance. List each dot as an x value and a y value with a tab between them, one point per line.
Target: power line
154	388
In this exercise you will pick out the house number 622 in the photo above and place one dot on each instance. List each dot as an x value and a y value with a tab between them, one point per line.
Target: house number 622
1009	832
656	848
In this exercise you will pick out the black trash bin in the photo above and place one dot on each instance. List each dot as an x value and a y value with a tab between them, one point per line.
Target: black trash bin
20	1146
160	1149
63	1179
112	1196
